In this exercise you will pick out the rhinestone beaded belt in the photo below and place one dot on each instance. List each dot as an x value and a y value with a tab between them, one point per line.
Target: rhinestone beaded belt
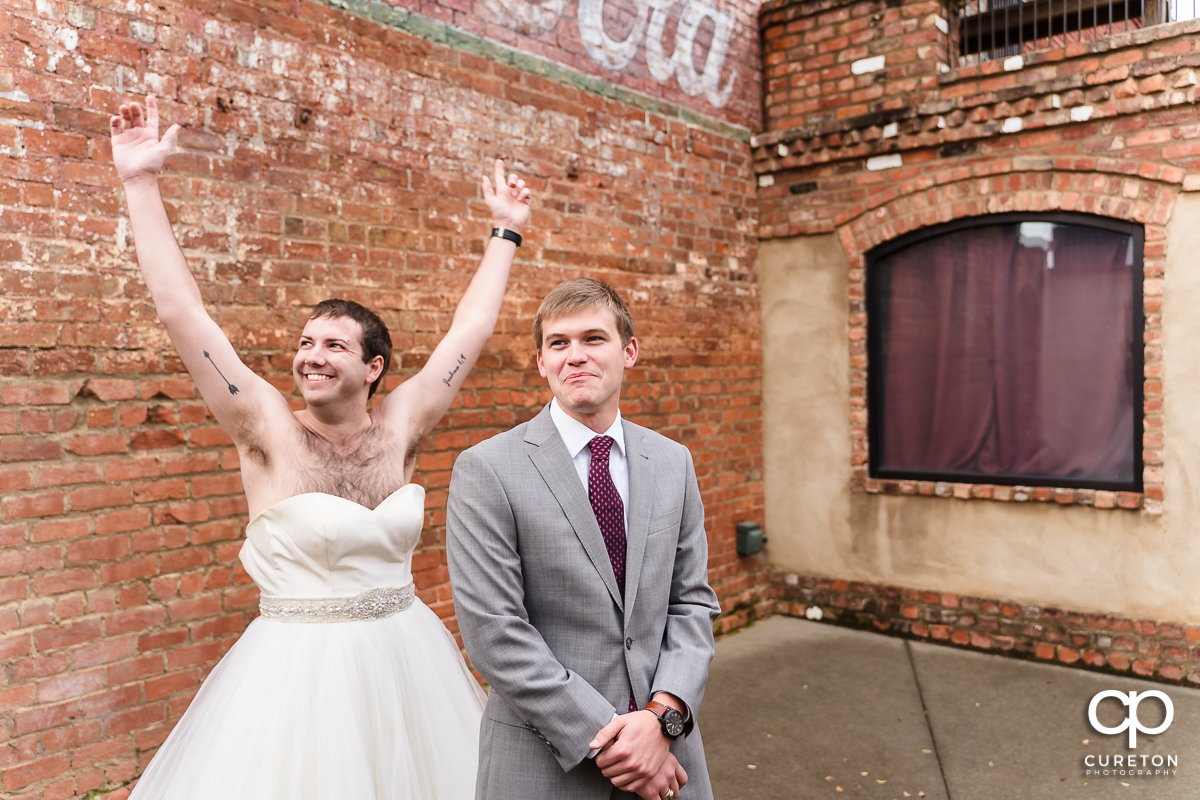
371	604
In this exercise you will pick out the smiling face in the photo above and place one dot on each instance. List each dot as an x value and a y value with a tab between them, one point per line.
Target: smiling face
328	367
582	357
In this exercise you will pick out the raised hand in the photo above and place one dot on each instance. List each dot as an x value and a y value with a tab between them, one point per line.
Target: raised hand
509	201
138	153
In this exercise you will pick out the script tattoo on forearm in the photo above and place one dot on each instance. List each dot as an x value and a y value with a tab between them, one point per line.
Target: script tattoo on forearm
232	389
461	359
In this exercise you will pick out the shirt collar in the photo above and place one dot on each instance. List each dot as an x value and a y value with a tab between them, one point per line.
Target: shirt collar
576	435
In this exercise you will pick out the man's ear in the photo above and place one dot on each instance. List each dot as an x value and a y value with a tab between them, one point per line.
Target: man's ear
376	369
631	353
541	364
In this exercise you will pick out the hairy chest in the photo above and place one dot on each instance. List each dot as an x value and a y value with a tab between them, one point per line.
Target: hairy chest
365	470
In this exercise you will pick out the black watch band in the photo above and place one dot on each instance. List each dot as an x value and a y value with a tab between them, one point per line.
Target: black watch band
505	233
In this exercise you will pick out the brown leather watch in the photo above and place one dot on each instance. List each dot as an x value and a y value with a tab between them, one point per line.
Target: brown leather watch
670	719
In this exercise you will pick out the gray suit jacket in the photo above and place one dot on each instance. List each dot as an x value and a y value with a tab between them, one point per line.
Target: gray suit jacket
542	618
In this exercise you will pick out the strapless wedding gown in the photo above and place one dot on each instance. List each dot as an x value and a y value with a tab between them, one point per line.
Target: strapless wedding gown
323	698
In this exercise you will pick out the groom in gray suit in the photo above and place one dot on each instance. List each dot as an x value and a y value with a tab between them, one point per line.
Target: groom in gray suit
579	561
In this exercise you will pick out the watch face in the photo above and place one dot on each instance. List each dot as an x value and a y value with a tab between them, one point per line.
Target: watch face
673	723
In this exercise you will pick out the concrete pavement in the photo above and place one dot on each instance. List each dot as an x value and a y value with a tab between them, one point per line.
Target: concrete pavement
798	709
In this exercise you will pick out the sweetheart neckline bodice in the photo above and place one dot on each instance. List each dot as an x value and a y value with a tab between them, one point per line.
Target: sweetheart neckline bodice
317	545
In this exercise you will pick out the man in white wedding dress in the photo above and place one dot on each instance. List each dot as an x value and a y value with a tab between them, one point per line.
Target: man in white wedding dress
579	562
347	686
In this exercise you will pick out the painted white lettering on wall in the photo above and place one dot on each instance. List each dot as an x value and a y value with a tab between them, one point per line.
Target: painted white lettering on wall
537	18
524	16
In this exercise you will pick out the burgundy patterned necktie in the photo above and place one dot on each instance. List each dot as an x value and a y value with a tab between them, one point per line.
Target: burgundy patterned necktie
610	513
607	505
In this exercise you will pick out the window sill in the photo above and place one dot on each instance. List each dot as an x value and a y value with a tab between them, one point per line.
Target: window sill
1096	498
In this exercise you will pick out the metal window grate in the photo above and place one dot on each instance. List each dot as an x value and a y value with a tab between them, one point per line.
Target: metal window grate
985	30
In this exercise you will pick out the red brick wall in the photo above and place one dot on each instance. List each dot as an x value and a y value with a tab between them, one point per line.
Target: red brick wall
341	160
810	49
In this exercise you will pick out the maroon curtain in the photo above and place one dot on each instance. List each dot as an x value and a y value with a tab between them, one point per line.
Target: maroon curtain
1005	354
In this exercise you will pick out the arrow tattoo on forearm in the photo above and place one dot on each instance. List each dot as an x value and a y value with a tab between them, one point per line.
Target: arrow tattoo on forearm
232	389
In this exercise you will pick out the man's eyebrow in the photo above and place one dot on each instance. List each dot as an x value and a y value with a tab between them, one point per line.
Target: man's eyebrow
588	332
327	339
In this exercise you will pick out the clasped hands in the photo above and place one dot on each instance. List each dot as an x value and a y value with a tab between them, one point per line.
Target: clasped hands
636	757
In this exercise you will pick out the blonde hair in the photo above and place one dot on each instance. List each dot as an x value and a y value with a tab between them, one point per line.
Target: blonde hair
576	295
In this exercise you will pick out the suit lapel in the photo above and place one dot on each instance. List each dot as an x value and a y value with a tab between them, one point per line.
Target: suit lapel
553	463
641	501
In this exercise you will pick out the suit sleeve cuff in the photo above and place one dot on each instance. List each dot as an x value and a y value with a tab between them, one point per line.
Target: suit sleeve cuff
593	753
688	722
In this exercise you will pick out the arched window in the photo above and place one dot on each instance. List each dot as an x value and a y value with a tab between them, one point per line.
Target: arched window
1007	349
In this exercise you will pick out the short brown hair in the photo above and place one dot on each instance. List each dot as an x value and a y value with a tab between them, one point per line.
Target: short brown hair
578	294
376	339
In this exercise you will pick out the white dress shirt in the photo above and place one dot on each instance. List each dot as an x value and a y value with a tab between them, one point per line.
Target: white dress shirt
577	436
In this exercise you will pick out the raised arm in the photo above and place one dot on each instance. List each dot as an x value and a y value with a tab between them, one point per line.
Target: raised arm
422	400
235	394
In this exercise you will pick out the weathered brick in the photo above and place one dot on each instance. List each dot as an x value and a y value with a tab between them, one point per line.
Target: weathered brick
43	504
97	548
29	449
17	697
109	390
39	666
98	705
43	769
66	581
66	474
60	528
70	736
167	685
135	669
68	634
96	444
131	719
35	393
101	751
122	521
46	716
70	685
134	620
104	651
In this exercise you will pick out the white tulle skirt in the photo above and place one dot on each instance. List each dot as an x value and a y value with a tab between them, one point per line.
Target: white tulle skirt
378	710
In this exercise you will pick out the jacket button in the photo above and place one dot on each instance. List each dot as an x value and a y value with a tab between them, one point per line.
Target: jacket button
628	643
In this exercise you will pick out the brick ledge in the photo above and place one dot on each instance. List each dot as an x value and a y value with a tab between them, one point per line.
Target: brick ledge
1063	496
1166	652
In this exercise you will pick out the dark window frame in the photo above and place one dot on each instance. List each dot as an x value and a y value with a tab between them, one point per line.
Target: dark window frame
1137	347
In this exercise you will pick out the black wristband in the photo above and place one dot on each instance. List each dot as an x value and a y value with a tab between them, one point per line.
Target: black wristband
505	233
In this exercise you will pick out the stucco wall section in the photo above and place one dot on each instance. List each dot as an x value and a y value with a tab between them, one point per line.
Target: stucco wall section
806	456
1130	563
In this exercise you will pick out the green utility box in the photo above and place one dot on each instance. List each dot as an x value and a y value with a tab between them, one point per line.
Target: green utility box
749	538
